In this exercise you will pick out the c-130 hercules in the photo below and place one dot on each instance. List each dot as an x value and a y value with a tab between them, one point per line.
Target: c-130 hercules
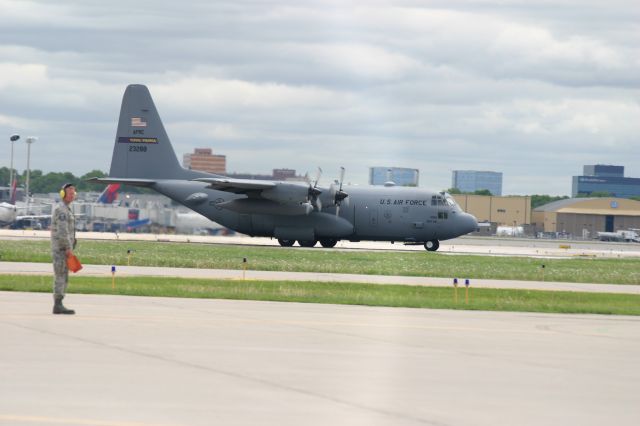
288	211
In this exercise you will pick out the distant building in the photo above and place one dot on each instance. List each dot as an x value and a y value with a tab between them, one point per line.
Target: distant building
278	174
204	160
253	176
508	211
472	180
603	170
284	174
399	175
605	178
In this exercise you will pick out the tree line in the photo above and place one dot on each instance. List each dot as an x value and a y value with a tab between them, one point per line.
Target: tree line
41	183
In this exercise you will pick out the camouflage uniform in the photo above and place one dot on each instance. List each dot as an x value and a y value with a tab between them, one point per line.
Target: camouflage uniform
63	237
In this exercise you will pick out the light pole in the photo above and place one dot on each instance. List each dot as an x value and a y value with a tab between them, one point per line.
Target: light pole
29	141
12	138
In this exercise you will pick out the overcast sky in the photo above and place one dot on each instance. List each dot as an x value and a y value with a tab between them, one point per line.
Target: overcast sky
532	89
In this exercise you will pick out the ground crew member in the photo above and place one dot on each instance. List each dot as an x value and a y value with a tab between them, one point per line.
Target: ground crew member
63	241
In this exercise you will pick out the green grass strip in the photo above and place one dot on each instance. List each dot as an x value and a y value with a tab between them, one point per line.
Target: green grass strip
415	263
341	293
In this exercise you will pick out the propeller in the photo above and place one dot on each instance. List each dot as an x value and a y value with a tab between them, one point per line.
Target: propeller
314	192
340	194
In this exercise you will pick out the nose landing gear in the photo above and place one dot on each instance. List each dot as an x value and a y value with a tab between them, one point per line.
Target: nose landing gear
432	245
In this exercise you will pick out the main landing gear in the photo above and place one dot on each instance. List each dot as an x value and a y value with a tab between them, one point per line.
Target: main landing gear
328	242
324	242
432	245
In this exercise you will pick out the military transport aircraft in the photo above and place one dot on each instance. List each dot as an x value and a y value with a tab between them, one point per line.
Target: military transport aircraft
288	211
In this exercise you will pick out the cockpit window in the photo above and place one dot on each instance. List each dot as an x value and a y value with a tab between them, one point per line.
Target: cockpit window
449	200
443	200
437	200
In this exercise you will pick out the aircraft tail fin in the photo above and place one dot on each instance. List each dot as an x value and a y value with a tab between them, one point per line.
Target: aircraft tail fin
110	194
142	149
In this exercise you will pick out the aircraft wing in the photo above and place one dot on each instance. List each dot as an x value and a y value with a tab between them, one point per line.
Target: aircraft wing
35	216
237	186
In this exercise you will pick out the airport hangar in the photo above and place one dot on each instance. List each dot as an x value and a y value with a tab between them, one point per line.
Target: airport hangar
587	216
577	216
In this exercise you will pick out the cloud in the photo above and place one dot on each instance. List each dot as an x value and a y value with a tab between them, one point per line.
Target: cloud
511	86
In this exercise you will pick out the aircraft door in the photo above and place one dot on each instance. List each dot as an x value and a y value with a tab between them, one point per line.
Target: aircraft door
366	218
378	217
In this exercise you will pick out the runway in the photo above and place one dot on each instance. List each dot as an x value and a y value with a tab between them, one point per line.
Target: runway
486	246
125	361
26	268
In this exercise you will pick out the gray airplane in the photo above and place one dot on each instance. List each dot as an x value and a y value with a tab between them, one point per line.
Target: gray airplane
289	211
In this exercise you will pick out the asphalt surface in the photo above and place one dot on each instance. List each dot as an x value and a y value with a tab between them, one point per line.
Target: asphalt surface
24	268
125	361
487	246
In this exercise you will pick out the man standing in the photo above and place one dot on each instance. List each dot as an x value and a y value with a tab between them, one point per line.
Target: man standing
63	241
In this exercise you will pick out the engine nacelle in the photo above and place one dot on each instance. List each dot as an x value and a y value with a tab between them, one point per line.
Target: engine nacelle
287	193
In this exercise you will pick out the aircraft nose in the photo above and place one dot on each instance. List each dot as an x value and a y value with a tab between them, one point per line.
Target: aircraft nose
470	223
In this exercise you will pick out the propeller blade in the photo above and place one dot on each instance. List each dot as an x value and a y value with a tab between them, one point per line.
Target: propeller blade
314	193
318	174
340	194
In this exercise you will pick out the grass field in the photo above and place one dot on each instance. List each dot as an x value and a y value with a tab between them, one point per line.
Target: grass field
341	293
608	271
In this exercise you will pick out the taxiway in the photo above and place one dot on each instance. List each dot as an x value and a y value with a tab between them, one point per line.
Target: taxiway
125	361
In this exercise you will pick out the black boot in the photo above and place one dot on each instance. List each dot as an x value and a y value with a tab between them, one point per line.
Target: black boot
58	307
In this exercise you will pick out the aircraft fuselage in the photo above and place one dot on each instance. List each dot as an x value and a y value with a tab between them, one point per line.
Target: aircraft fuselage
405	214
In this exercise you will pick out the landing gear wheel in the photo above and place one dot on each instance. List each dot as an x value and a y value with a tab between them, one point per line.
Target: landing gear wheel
286	243
307	243
328	242
432	245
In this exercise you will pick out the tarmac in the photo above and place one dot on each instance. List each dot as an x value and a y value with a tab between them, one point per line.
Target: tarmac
139	361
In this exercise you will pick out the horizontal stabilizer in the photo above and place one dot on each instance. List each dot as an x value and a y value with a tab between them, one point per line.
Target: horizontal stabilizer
125	181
